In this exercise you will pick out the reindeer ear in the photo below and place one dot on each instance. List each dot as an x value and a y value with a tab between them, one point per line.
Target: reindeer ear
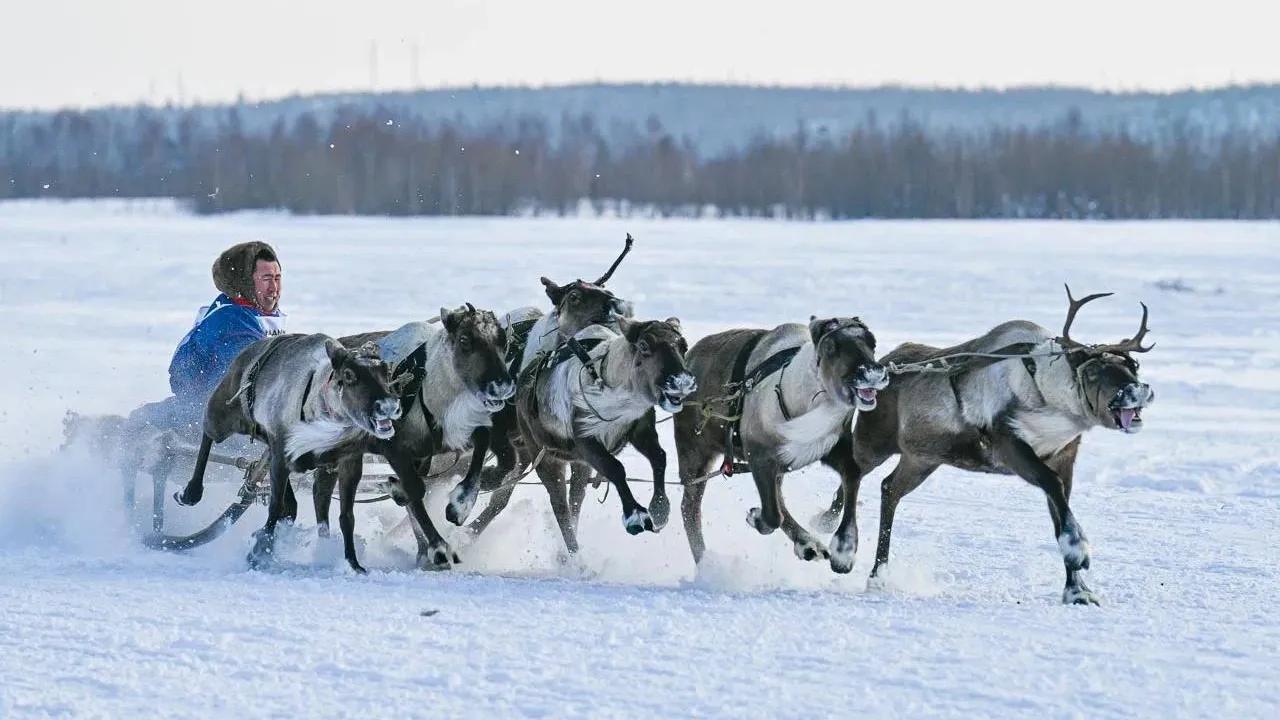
450	320
675	323
555	293
630	329
818	328
338	355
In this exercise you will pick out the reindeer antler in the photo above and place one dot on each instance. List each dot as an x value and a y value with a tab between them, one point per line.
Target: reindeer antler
1133	344
608	274
1073	308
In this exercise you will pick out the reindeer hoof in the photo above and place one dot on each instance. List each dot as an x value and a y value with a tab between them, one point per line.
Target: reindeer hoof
660	511
843	552
877	584
396	491
638	521
1079	595
263	550
439	557
460	504
357	567
189	496
811	549
755	518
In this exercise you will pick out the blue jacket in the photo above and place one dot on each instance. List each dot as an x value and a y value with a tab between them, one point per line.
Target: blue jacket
206	352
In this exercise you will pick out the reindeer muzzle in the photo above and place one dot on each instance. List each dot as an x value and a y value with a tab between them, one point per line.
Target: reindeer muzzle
496	394
675	390
868	381
385	412
1127	405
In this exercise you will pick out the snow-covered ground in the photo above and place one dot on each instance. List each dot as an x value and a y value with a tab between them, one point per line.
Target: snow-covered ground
1183	517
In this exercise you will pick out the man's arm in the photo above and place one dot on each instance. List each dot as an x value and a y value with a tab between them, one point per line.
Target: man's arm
213	347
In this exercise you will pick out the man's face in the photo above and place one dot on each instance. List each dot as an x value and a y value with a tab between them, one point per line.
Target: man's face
266	285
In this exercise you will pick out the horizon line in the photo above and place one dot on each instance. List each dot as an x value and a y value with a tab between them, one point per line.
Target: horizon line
241	100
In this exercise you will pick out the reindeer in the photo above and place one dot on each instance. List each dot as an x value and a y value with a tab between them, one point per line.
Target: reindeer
575	306
565	417
1023	415
460	382
310	400
794	408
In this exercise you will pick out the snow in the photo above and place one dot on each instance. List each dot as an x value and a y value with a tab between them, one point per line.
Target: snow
1182	518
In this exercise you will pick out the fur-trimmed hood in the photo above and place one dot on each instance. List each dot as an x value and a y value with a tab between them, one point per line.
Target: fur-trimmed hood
233	270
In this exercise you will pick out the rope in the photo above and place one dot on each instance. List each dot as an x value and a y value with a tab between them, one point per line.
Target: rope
941	364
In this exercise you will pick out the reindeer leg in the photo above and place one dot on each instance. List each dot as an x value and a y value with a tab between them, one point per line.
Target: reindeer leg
910	473
772	513
644	438
844	544
507	458
694	462
264	539
579	475
767	475
1064	464
551	473
194	489
827	520
462	499
635	518
349	471
289	511
436	554
160	471
1021	459
324	480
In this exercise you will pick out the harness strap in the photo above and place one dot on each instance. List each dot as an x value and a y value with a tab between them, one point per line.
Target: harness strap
517	343
740	386
570	348
306	392
251	375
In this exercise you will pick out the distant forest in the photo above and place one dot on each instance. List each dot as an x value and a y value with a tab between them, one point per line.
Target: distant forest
378	161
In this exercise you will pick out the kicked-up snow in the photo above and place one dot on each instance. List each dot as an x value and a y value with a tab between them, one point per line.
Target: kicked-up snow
1182	518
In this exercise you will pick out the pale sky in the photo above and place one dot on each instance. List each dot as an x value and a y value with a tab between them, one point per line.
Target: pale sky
80	53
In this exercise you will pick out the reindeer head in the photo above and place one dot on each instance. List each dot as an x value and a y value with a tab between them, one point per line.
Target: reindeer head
479	345
845	351
659	348
581	304
366	395
1107	375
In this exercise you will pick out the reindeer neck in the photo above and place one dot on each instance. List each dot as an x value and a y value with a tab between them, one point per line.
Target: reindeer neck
798	382
1059	386
441	382
319	397
616	363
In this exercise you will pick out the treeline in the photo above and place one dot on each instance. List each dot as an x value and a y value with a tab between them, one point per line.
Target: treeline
376	162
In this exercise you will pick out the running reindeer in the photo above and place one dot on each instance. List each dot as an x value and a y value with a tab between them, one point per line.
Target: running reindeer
310	400
575	306
459	381
565	416
791	409
1022	415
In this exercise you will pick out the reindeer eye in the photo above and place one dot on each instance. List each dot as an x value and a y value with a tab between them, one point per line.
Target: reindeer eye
575	297
642	347
347	376
464	342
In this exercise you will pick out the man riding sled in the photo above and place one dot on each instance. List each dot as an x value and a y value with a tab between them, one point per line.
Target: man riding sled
246	310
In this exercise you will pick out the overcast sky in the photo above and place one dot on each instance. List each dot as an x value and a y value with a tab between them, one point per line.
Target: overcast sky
57	53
